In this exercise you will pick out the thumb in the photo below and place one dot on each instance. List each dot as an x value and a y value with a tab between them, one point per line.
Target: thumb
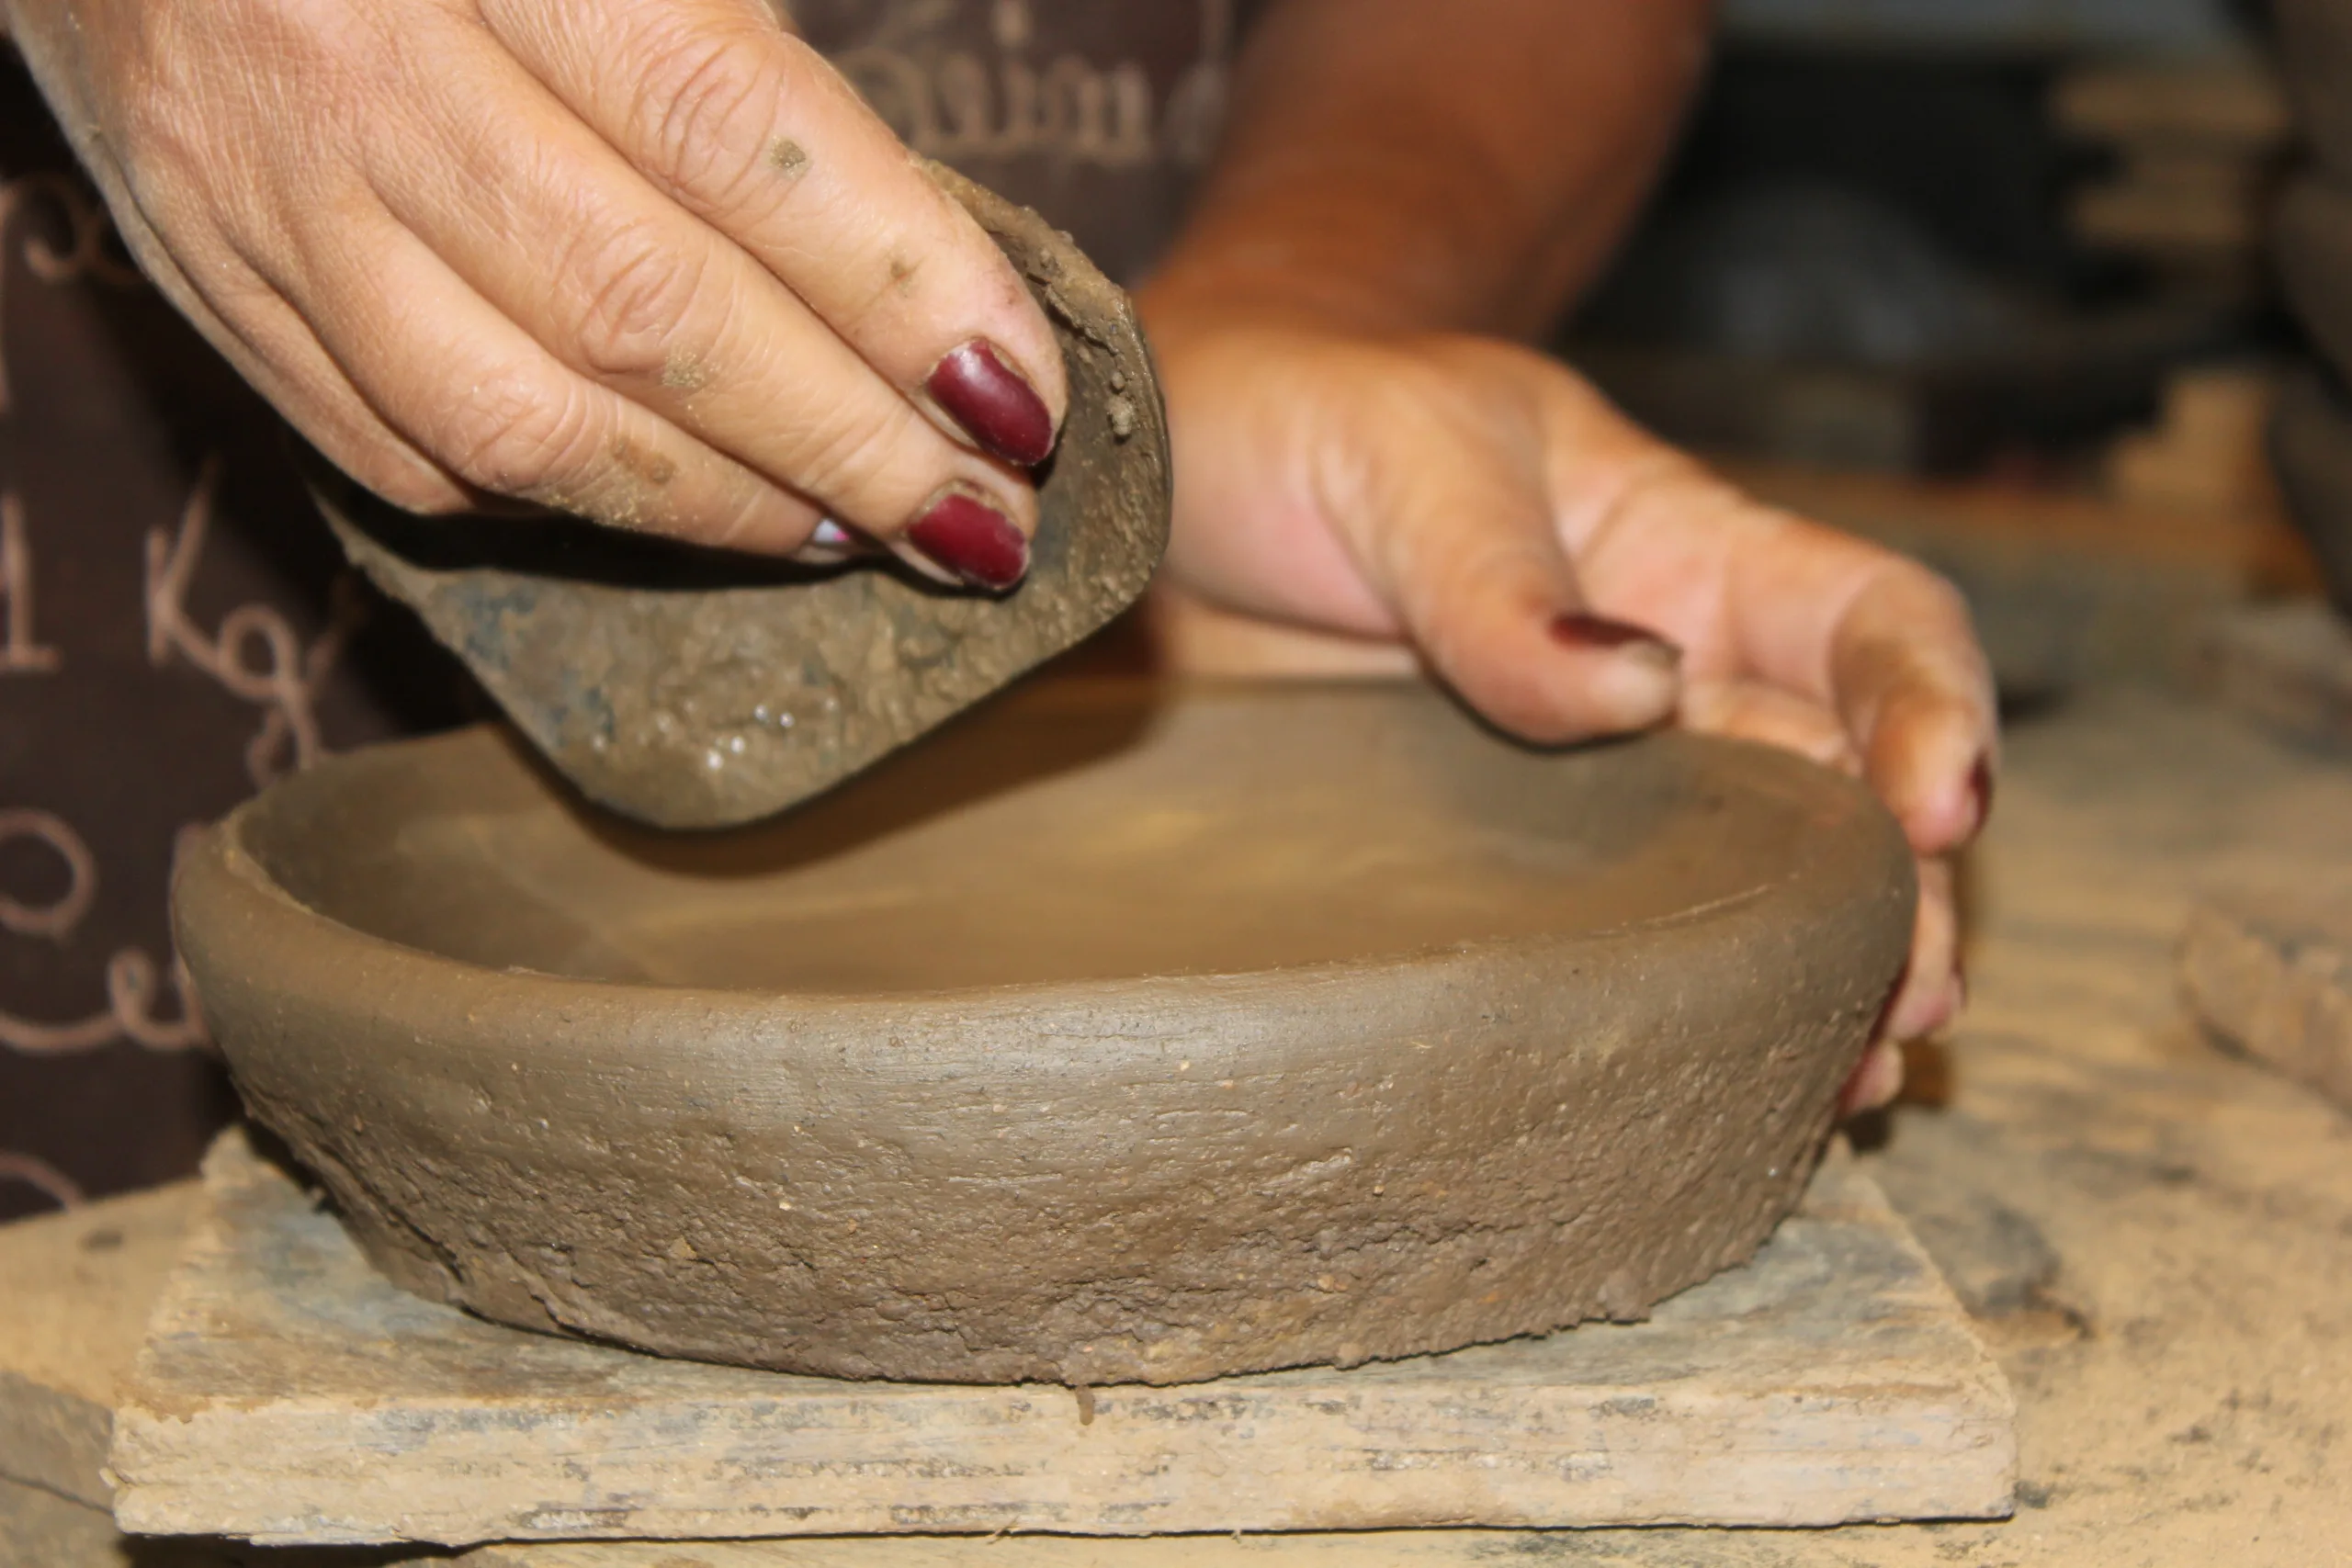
1462	544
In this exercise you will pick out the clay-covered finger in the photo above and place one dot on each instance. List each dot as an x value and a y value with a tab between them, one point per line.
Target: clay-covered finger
725	112
629	291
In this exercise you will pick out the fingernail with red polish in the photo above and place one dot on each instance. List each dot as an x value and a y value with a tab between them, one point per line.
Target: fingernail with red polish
986	396
1600	633
972	540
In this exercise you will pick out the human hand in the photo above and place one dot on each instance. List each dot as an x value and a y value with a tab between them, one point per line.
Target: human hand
648	261
1571	576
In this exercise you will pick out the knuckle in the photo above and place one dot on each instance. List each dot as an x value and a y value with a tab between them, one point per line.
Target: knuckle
517	433
706	105
847	461
633	293
196	94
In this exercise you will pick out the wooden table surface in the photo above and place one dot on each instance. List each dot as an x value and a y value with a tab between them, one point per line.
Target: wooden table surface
2155	1236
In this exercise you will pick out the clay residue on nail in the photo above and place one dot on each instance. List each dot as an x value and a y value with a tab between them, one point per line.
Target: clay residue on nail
787	157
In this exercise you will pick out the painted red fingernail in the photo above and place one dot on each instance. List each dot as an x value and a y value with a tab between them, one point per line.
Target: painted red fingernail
1598	633
989	399
1979	790
972	540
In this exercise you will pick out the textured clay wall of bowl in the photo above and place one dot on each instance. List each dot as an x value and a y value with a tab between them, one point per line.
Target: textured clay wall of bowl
1104	1038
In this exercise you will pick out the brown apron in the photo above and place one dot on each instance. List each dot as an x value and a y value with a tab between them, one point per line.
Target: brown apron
176	629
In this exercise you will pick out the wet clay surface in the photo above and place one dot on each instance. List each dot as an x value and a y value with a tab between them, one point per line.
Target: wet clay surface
1108	1038
694	688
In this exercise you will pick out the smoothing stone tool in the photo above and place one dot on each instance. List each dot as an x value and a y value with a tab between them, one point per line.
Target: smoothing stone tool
696	688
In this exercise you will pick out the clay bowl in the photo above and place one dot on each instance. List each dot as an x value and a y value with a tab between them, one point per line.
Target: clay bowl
1106	1037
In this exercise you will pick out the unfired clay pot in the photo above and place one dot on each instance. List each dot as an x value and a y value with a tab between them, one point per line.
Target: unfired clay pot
1106	1037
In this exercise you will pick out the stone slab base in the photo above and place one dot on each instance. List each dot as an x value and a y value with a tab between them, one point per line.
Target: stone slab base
75	1292
287	1394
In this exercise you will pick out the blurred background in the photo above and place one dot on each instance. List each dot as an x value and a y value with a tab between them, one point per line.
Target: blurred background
1998	282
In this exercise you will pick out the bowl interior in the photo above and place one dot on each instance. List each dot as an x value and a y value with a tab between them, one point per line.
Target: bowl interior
1055	836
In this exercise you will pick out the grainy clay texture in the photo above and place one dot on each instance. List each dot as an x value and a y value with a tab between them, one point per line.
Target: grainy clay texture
1833	1378
2155	1236
2267	961
697	689
1113	1036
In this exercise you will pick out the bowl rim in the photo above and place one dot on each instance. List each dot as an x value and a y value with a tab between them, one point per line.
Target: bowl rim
222	884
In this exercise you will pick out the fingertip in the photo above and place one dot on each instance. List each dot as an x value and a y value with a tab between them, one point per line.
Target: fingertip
1920	1011
1981	780
1563	700
1583	697
1616	677
1935	769
967	535
1634	691
1876	1080
1583	631
979	389
1952	808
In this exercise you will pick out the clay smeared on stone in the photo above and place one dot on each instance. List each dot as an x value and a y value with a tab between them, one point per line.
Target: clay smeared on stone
1094	1040
696	689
